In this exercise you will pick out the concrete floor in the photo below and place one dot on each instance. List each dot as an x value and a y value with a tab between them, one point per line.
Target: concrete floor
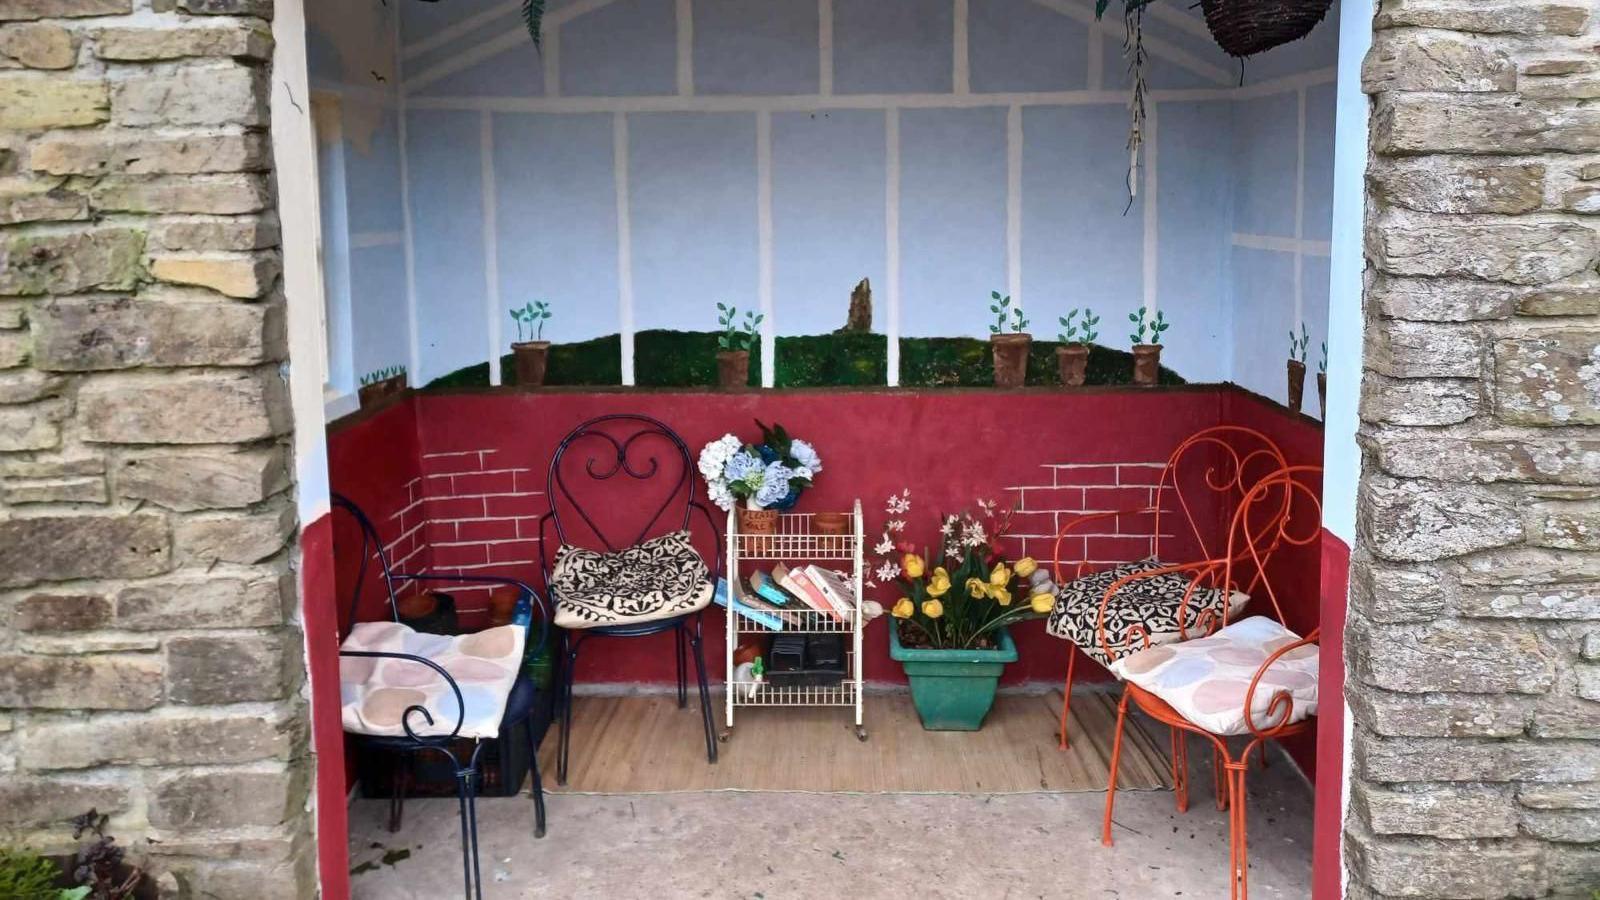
776	846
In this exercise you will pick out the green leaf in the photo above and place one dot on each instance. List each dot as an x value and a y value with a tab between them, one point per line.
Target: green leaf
533	20
994	295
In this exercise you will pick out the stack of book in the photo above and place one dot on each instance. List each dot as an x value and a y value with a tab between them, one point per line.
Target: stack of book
774	599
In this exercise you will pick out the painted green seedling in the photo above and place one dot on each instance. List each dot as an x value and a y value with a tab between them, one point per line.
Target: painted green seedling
1299	344
1001	307
531	318
1149	330
734	335
383	374
1079	332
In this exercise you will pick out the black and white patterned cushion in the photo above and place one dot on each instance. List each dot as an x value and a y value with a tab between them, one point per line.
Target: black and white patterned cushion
1151	603
658	579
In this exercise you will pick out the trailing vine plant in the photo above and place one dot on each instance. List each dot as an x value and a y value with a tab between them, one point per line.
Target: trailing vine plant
1133	49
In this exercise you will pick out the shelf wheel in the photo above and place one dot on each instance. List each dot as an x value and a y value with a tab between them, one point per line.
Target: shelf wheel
726	733
861	733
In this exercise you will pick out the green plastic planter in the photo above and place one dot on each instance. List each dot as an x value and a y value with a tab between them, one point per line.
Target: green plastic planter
953	689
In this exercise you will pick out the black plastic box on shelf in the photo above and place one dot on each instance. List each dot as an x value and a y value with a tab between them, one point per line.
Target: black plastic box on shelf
807	660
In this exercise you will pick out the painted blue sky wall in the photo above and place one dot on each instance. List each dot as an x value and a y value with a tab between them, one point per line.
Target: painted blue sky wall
662	155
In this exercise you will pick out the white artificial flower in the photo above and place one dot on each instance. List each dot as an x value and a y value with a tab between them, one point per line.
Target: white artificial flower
718	492
884	547
805	455
888	571
896	525
805	472
949	526
973	536
899	504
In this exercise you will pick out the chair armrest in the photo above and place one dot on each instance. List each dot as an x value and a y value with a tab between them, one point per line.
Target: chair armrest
1062	532
533	595
1199	569
1281	709
405	717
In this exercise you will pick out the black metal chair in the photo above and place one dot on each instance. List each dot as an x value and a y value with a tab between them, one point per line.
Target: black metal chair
520	705
646	450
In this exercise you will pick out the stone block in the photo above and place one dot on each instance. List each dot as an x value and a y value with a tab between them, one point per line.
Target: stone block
1549	461
1461	869
216	233
1417	760
136	152
217	800
1580	602
1440	811
241	275
212	601
130	681
1418	401
189	409
206	671
1560	718
246	40
1442	299
1441	715
261	8
233	538
59	467
1385	593
178	739
104	258
84	489
1406	123
61	612
1563	525
293	879
219	95
37	45
40	803
15	348
207	479
1577	87
1436	61
1585	200
40	200
14	10
1550	377
1514	251
1563	826
1487	16
225	194
63	547
1461	657
80	334
33	427
1425	350
1560	796
1457	185
1579	299
33	104
1418	521
1591	647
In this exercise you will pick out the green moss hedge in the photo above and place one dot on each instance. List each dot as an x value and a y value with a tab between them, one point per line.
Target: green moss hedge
689	359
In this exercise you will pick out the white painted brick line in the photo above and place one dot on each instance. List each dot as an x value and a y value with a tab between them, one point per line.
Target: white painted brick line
451	453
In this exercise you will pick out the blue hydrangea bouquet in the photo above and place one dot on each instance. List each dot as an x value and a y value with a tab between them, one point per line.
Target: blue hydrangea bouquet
769	475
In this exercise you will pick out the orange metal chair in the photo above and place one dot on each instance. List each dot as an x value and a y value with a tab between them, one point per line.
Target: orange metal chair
1248	548
1212	469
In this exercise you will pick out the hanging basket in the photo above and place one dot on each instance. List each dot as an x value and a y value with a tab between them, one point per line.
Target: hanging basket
1247	27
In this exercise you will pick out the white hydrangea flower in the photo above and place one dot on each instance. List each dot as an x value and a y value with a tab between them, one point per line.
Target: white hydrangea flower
805	455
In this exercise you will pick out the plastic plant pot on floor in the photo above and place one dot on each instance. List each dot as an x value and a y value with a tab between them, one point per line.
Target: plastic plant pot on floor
953	689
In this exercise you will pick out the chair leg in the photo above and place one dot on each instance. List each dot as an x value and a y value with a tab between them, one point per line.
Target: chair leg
1116	760
1066	693
683	673
1238	845
571	657
1219	775
537	787
705	697
399	777
469	860
1180	768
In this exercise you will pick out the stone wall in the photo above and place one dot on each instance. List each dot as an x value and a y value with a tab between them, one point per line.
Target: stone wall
149	666
1474	636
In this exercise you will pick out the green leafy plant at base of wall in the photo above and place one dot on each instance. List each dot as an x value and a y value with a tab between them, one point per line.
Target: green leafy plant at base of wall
688	359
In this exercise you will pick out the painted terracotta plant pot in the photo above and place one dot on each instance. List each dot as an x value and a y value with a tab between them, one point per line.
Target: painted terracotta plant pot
1322	395
1073	362
370	394
1297	384
531	358
733	369
757	522
832	523
953	689
1010	358
1146	363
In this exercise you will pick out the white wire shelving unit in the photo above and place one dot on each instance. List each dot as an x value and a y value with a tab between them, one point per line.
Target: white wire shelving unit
796	542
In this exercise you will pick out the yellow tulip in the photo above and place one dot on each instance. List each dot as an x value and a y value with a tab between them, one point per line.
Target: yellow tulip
913	565
1000	575
1026	566
1001	595
903	609
939	584
976	589
1042	603
933	609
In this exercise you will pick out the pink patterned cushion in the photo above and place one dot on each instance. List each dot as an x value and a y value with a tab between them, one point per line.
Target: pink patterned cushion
376	692
1206	680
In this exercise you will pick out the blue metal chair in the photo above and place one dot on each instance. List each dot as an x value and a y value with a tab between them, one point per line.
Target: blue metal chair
520	705
646	450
